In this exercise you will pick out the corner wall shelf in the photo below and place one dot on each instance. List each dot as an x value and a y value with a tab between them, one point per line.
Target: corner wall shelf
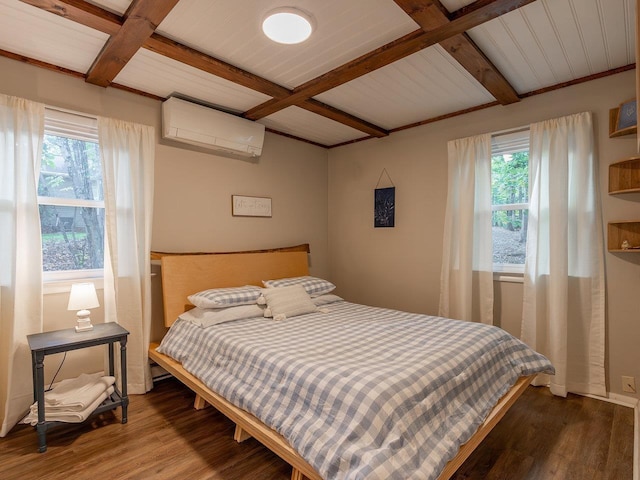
613	119
618	232
624	176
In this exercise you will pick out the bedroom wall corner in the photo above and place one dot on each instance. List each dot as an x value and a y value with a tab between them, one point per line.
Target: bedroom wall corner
400	267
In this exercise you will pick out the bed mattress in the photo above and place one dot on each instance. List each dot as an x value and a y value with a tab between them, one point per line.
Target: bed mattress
360	392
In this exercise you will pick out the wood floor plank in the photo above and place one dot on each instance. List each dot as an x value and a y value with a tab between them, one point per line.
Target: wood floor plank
621	446
542	437
556	438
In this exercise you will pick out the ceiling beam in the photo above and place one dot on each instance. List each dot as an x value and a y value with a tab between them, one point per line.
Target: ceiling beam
99	19
462	20
332	113
187	55
196	59
430	15
140	21
81	12
94	17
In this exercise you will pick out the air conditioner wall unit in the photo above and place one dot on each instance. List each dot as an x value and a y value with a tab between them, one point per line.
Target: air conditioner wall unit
195	124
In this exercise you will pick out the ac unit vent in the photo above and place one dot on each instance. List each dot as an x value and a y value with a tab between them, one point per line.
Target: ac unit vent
195	124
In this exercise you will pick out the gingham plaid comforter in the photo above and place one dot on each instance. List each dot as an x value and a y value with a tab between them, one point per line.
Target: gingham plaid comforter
360	392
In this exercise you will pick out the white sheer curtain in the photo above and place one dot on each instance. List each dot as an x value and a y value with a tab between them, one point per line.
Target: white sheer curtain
564	283
21	135
127	151
467	257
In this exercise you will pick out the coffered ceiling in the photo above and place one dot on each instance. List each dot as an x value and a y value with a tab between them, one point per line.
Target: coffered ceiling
371	66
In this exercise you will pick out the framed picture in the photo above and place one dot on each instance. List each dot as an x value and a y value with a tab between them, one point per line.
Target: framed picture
244	206
627	115
384	207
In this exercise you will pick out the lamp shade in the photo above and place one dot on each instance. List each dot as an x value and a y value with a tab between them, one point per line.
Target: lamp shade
83	297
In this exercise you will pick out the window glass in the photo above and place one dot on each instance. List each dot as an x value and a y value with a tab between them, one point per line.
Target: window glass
510	199
71	168
71	196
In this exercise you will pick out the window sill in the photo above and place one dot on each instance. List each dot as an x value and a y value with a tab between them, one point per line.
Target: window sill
508	273
509	268
508	277
64	286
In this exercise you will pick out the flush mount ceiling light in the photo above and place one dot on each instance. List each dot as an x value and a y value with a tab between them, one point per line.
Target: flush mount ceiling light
287	25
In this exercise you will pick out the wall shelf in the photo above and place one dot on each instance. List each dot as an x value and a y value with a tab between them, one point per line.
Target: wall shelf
618	232
624	176
613	120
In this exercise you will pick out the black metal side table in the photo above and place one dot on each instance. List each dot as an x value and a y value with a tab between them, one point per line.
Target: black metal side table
58	341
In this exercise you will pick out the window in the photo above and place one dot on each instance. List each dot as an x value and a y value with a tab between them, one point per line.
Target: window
510	200
70	198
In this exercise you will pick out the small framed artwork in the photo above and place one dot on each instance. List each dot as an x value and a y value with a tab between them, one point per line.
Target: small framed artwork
627	115
384	207
245	206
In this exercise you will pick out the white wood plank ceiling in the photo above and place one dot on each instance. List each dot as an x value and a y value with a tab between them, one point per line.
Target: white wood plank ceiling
371	66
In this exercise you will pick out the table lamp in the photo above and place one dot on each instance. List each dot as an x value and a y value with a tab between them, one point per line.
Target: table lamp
82	298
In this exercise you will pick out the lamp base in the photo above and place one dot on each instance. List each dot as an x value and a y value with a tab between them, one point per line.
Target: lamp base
84	322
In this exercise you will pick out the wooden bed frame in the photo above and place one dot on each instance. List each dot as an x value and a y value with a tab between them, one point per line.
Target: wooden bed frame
183	275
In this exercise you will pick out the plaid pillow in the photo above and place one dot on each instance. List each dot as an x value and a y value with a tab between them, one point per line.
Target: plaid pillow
313	285
226	297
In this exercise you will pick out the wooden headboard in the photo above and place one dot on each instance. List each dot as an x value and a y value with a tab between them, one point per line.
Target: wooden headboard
183	275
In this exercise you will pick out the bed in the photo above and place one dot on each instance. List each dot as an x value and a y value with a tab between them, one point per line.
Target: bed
185	275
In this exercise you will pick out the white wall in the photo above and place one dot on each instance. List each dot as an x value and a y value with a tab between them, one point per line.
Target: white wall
400	267
331	207
192	206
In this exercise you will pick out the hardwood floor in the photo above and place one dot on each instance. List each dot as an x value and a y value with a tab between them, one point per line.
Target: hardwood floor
545	437
542	437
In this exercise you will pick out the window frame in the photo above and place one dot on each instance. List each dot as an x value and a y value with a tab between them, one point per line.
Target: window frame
512	141
79	126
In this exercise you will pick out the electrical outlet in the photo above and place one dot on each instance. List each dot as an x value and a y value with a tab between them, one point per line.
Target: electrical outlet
629	384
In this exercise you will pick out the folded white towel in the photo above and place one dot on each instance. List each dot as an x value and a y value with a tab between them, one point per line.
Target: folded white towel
67	416
78	393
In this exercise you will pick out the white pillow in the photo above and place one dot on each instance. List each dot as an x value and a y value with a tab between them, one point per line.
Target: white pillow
286	302
213	316
314	286
226	297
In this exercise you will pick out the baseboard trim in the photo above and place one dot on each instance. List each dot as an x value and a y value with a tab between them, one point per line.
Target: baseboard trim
158	373
616	398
